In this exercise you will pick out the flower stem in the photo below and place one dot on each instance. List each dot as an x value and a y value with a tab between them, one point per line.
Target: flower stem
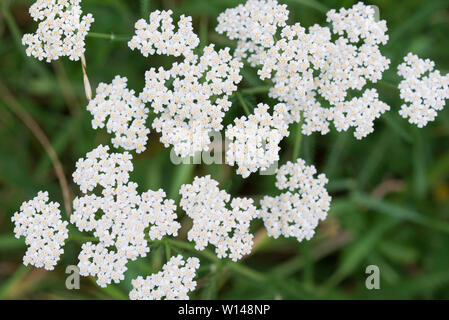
243	103
255	90
81	238
167	251
298	140
191	247
111	36
388	85
245	271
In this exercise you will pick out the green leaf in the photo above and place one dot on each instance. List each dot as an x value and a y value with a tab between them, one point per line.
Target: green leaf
374	159
335	154
360	249
394	123
397	211
416	20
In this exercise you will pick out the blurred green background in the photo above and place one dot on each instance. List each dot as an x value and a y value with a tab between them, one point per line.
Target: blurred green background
390	190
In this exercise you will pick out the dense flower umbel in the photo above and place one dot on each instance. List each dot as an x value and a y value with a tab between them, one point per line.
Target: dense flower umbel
123	114
119	217
255	22
159	36
172	283
61	30
423	89
321	61
213	222
98	261
128	211
296	212
102	168
254	142
196	101
359	113
124	218
39	221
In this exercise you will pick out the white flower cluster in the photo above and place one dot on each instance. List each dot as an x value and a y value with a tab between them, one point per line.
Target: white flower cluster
159	37
123	114
296	212
192	98
254	141
102	168
119	217
255	22
322	61
213	222
423	89
359	23
39	221
172	283
359	113
61	30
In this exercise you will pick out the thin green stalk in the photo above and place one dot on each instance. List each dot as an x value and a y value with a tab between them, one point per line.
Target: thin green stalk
111	36
255	90
191	247
81	238
243	103
245	271
388	85
203	33
167	251
298	140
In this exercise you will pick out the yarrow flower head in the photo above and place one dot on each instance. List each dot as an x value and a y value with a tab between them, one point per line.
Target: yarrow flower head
296	212
215	221
254	22
321	61
191	98
358	23
39	221
119	217
424	90
122	112
61	30
125	217
172	283
254	141
159	37
359	113
102	168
